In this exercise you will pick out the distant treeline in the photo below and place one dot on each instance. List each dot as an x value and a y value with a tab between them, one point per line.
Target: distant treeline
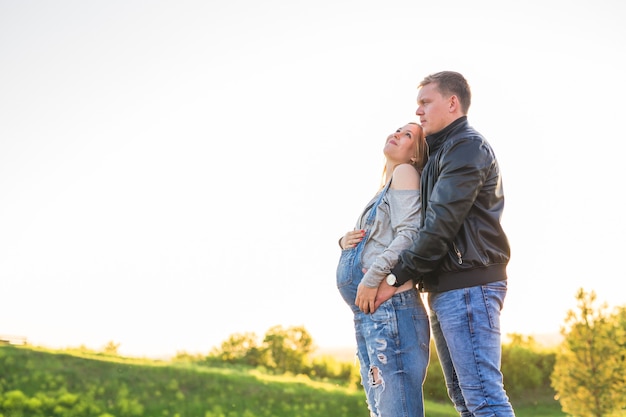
527	366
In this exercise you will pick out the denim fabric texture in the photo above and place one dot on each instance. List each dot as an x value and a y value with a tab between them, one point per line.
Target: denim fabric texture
395	341
466	329
392	343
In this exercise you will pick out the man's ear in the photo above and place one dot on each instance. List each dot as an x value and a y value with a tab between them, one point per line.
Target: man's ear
453	104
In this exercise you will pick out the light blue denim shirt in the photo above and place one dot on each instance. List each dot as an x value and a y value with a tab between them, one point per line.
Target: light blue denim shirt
394	229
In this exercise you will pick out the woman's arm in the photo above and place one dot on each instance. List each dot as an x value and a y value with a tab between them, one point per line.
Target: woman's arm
404	212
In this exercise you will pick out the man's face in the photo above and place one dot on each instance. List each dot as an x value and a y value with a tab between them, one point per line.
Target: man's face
433	109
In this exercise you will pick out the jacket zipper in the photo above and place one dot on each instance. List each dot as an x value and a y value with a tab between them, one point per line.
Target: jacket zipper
458	253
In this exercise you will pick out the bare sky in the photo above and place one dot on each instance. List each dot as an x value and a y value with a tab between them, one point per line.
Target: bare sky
173	172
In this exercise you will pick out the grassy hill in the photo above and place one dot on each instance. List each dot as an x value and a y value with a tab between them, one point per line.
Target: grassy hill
37	383
43	383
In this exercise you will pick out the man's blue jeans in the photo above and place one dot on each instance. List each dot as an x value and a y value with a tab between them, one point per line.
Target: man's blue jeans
466	328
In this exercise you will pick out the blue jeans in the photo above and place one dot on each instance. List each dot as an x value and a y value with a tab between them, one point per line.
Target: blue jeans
393	351
393	345
466	329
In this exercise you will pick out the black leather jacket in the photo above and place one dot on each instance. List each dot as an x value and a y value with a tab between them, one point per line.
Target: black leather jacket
460	242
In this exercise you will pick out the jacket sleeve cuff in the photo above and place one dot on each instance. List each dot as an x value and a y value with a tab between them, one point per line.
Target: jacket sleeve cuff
402	275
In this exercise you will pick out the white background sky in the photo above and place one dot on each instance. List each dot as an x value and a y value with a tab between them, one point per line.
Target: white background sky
173	172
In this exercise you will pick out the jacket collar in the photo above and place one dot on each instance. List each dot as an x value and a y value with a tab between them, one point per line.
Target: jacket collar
436	139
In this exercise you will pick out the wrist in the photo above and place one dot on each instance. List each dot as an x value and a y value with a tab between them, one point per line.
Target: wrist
392	280
395	279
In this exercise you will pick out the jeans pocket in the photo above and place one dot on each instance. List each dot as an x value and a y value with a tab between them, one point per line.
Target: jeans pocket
494	295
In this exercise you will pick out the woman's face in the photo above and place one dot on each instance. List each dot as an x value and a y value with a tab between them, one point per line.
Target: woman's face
400	146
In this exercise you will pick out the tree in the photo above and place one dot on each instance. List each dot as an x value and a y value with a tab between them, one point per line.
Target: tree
589	371
241	348
111	348
527	368
288	349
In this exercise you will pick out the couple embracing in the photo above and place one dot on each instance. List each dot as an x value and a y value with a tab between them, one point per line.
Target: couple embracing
433	228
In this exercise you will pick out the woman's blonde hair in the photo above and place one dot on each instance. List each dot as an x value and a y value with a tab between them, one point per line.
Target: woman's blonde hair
421	153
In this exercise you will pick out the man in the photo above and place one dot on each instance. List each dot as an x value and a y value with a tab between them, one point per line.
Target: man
461	252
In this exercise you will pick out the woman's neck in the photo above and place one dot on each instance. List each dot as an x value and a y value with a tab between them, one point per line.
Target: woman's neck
391	165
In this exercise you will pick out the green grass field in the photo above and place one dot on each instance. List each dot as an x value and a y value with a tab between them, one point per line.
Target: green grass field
42	383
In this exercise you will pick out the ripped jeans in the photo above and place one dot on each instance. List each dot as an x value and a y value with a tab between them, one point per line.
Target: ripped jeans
393	346
393	351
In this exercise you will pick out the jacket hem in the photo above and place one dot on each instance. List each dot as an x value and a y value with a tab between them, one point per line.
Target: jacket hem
447	281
